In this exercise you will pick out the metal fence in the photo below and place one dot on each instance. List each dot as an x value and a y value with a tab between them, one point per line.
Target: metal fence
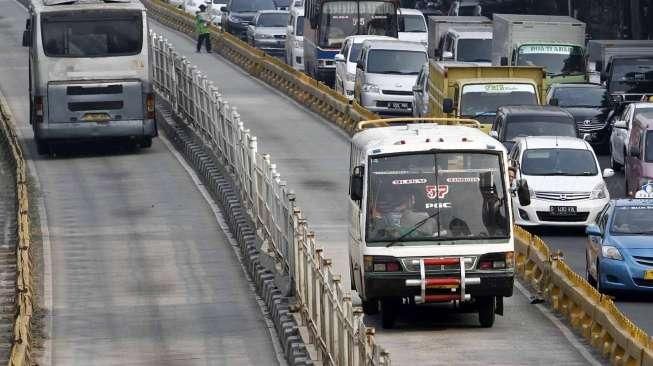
335	326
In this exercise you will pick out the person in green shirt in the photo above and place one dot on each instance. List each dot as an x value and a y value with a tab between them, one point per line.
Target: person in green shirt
202	29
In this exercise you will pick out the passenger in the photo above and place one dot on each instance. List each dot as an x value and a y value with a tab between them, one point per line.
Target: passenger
397	212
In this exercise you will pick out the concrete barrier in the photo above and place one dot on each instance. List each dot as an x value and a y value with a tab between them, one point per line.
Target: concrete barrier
20	353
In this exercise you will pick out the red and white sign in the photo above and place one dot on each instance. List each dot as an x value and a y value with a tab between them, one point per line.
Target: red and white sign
433	192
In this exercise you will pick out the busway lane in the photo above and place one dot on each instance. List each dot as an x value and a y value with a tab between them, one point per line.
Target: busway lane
142	274
306	148
572	243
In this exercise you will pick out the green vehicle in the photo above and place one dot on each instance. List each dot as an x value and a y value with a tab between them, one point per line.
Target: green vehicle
556	43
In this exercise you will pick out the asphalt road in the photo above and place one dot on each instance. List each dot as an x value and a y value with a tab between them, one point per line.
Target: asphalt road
313	157
142	273
572	244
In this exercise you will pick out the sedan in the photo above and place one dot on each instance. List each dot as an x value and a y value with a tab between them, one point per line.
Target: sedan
268	31
619	251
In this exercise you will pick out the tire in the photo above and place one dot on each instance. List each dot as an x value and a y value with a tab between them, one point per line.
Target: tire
588	276
486	315
146	143
371	307
42	147
598	286
389	311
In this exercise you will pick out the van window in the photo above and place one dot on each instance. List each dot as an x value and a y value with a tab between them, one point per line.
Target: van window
412	24
518	126
299	29
92	34
395	62
241	6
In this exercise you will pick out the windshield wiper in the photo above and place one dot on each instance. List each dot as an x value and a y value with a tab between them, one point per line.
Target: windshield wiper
412	230
486	113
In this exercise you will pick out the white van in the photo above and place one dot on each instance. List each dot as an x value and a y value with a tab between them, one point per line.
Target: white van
90	73
412	26
430	218
295	38
346	62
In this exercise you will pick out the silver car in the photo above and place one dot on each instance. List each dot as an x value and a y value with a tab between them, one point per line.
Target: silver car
268	31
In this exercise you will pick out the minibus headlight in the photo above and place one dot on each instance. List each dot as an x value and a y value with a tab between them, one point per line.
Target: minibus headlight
380	264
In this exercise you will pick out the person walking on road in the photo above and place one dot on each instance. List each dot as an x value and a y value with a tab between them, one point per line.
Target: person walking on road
202	29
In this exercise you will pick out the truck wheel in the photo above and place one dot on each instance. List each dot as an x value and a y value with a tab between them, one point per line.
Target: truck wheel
146	143
486	311
371	307
389	311
42	147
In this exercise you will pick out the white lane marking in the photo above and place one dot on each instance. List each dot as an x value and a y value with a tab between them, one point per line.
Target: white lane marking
278	350
568	333
46	359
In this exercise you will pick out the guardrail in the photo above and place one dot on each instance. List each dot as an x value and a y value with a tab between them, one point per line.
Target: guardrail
309	92
335	326
594	315
21	341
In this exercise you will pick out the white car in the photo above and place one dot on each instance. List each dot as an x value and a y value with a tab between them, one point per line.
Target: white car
564	179
412	26
295	38
346	63
621	132
385	74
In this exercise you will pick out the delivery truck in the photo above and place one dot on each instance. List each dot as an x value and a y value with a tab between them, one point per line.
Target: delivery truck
440	30
554	42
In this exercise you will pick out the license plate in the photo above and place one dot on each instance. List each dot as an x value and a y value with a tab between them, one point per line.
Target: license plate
648	275
96	117
562	210
398	105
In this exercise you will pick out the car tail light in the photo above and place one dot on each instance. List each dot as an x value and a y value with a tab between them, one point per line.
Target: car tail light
38	109
504	260
149	106
381	264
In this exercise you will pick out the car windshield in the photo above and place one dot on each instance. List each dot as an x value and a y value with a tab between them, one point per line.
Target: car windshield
341	19
92	34
412	23
435	197
474	50
395	62
242	6
633	70
272	20
581	96
484	99
299	30
632	220
543	126
467	10
556	60
567	162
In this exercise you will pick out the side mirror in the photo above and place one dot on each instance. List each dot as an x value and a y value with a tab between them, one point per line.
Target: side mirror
607	173
634	151
417	89
494	134
360	65
553	101
356	183
523	193
587	137
447	55
27	39
447	105
593	230
223	9
598	66
620	124
339	57
504	61
28	23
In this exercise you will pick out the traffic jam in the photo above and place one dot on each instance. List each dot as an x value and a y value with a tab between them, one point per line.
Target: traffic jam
572	116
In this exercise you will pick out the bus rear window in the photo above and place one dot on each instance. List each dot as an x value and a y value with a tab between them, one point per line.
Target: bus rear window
92	34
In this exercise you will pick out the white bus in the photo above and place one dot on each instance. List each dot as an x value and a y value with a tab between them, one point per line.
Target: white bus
430	219
89	71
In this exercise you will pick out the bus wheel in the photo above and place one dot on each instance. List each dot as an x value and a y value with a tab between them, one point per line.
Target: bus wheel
486	311
389	311
42	147
371	306
146	142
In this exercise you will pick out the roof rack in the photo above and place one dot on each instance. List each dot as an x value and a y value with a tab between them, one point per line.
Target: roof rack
386	122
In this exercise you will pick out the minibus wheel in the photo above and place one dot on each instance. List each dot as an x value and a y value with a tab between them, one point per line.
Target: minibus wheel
486	307
370	306
389	311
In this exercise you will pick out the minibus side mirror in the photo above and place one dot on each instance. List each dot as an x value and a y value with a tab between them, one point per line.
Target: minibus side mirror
504	61
447	105
27	38
356	183
523	192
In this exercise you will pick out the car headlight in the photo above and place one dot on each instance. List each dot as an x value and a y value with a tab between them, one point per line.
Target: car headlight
234	19
371	88
611	252
262	36
351	77
599	192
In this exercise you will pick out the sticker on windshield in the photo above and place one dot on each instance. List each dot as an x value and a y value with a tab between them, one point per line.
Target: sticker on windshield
433	192
463	180
409	181
438	205
498	88
546	49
